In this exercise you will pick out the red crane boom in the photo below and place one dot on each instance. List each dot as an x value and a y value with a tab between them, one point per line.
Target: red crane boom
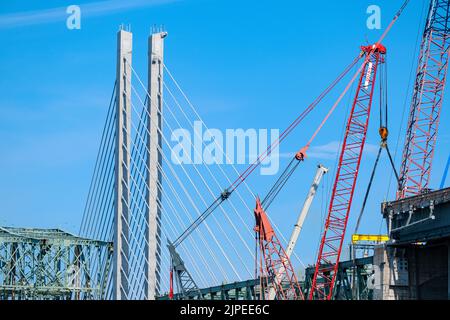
276	268
346	176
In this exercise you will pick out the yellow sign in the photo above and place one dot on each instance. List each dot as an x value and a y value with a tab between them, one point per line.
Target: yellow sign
369	237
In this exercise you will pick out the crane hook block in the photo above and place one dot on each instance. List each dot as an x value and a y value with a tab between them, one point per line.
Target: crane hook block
383	131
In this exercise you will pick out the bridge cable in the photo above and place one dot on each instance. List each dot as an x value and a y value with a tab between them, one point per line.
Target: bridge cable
142	197
222	209
249	228
282	136
213	178
260	158
168	198
193	185
101	197
98	167
187	193
175	193
92	189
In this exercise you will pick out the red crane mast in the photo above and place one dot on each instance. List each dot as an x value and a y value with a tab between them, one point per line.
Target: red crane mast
346	176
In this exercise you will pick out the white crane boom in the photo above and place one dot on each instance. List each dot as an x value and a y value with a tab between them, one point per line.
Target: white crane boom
321	171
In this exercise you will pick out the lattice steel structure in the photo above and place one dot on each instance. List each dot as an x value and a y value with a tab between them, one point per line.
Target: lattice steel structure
346	176
426	104
41	264
276	270
353	281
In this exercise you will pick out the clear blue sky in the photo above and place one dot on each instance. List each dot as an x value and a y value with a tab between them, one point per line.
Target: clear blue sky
249	64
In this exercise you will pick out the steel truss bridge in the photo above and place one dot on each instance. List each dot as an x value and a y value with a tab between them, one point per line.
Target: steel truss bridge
52	264
250	289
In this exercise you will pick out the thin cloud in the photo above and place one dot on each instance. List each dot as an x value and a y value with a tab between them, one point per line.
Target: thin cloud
94	9
329	151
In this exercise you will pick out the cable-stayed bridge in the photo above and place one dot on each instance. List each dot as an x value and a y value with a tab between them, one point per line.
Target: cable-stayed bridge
141	198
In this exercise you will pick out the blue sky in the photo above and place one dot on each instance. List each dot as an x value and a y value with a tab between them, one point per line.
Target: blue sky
245	64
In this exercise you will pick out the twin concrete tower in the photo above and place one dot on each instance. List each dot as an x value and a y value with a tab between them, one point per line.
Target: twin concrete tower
152	241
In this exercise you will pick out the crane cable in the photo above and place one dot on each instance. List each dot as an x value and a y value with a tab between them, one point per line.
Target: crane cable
281	181
228	191
383	132
291	127
397	15
300	156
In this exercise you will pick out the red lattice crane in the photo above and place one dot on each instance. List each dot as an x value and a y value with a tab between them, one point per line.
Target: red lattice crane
346	176
426	103
276	271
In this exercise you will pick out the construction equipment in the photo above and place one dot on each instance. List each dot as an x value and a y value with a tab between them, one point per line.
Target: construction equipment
369	67
273	257
426	105
383	131
185	283
346	176
321	171
252	167
283	178
326	267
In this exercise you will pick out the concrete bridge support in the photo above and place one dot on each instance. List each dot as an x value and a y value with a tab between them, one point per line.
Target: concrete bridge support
154	162
122	165
415	272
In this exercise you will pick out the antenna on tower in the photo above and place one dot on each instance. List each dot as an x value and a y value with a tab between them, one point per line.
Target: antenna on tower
157	29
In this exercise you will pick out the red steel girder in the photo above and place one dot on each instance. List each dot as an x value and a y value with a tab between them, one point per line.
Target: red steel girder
346	176
278	271
426	105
